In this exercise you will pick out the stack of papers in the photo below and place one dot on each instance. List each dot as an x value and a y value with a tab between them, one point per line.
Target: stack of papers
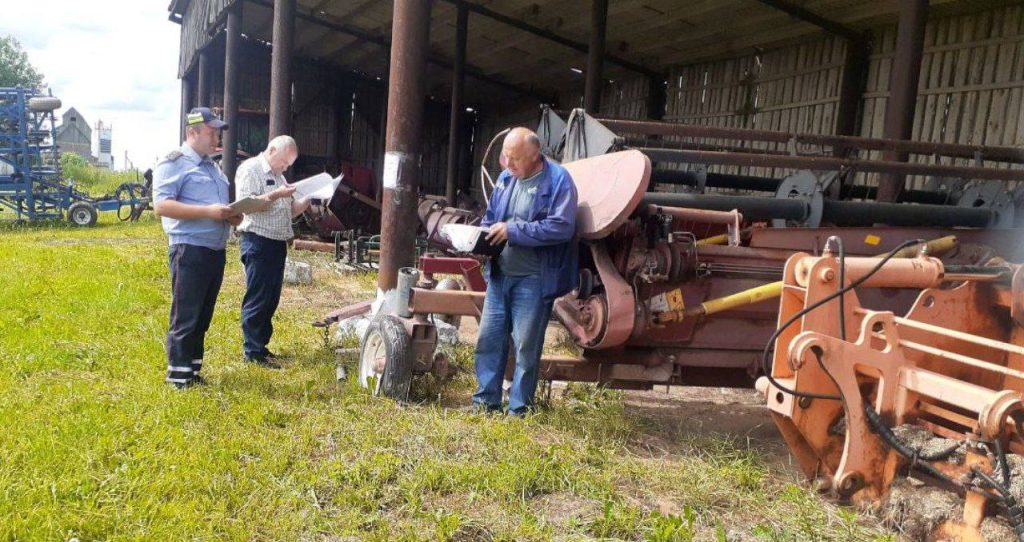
320	186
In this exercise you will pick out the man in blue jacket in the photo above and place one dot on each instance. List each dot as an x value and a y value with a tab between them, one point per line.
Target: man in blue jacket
533	208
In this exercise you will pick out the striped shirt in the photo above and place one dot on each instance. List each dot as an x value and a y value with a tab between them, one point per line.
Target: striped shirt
255	178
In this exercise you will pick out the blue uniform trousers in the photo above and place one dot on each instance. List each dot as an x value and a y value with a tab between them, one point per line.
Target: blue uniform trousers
196	276
264	275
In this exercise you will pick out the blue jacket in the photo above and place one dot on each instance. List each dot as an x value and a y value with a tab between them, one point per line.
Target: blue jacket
551	228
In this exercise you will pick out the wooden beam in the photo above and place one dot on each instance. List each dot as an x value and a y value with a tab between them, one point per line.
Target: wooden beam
809	16
385	42
547	34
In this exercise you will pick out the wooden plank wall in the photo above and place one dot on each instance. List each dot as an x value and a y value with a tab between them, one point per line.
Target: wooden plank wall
793	88
338	115
972	82
199	17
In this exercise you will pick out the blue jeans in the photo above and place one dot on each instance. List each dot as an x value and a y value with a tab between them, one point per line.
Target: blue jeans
513	306
264	274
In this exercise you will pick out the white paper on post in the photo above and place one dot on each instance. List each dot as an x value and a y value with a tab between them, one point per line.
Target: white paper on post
392	161
320	186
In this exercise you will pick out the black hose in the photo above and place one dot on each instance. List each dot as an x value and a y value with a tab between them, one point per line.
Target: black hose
768	349
1014	512
890	439
1004	467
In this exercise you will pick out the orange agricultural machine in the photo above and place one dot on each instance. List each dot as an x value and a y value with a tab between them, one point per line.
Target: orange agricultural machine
846	382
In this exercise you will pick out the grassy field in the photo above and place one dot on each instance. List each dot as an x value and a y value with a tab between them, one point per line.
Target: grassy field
96	447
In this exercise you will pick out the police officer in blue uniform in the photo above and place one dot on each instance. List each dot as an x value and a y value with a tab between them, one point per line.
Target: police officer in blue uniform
190	194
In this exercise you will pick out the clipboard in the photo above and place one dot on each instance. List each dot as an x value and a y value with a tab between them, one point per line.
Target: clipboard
248	205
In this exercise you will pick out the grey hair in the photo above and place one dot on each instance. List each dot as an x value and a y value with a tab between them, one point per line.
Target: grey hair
283	143
526	134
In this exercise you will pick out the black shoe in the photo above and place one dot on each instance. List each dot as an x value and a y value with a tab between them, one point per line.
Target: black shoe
183	385
262	361
198	380
269	355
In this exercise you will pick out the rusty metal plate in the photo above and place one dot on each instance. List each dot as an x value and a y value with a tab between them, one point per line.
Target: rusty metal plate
610	186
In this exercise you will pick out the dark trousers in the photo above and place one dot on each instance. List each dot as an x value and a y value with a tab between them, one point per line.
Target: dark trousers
196	276
264	274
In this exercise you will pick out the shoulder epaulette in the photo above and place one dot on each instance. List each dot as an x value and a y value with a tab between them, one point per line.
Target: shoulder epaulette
173	155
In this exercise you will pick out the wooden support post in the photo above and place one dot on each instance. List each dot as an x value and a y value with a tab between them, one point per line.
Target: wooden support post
203	95
280	68
410	33
455	120
231	64
595	56
906	72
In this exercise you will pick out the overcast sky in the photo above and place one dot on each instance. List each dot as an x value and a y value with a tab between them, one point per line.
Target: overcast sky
114	61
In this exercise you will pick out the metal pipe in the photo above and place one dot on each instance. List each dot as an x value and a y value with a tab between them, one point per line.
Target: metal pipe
595	55
410	31
774	289
205	79
914	196
696	215
842	213
455	119
186	105
862	213
720	239
280	68
1001	154
752	208
830	163
715	180
231	64
903	81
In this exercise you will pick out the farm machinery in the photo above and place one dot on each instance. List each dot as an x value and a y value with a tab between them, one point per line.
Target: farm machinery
30	177
861	322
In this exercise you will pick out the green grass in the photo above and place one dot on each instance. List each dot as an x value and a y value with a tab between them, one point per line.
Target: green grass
97	447
95	181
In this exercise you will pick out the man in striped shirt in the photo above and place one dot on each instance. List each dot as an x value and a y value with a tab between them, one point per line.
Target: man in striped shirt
264	243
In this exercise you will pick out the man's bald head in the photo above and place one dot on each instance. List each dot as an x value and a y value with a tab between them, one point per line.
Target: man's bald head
521	150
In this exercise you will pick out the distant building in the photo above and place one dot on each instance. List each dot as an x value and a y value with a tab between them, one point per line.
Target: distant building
75	135
103	156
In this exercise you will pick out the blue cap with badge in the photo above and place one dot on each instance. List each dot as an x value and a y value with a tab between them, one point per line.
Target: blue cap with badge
203	115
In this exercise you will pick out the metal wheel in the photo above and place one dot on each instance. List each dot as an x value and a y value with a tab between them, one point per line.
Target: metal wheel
82	213
385	361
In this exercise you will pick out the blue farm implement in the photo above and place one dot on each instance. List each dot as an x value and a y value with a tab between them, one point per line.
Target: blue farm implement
30	177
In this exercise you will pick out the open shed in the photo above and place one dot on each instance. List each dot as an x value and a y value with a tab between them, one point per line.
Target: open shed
819	66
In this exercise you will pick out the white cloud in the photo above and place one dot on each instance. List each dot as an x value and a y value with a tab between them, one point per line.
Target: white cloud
114	61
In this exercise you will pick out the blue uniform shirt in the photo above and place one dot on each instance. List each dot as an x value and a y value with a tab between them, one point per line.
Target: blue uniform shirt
186	177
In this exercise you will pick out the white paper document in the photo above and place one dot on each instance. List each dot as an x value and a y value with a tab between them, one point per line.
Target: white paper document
248	205
320	186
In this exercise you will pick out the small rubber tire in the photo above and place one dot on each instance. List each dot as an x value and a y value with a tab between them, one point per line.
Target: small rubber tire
43	103
82	213
385	340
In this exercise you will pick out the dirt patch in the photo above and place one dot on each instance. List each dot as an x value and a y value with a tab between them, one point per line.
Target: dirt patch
672	415
561	510
332	287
